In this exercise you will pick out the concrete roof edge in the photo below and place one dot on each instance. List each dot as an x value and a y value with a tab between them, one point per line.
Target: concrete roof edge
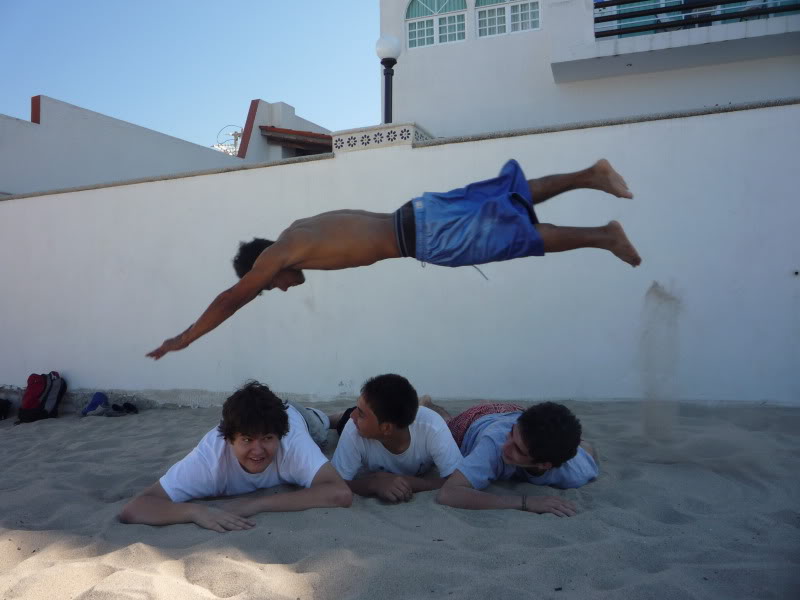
97	186
609	122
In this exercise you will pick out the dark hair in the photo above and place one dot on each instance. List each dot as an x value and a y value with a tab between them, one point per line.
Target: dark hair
253	410
392	398
551	433
247	255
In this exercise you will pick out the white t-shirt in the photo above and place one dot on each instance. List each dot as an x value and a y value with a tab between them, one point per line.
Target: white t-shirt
431	442
211	469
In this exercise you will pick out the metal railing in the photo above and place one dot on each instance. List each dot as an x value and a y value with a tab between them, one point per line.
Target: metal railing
625	18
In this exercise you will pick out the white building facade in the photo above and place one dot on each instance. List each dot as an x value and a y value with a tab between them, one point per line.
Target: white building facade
66	146
476	66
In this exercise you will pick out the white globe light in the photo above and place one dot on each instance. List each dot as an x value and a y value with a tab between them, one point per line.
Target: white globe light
388	46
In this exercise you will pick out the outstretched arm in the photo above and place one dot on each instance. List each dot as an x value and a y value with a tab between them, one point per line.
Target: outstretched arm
223	307
391	487
271	261
154	507
327	490
459	493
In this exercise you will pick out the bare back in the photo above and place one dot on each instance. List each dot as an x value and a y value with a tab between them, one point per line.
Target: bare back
340	240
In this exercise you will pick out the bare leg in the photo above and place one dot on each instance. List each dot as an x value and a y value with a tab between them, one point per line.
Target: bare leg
591	450
428	403
611	237
335	418
600	176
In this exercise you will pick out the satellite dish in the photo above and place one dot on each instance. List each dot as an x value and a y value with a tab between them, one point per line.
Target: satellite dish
228	139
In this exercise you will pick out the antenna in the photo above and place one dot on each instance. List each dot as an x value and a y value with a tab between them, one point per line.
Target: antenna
228	139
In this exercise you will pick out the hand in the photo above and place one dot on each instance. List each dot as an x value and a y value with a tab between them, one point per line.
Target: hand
170	345
551	504
220	520
391	487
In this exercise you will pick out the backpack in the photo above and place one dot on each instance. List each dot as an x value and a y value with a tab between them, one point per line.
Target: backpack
42	397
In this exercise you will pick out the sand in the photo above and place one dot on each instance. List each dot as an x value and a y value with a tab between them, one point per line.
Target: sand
712	513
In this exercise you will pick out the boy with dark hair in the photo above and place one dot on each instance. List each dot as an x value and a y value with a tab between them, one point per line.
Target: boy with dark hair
486	221
260	443
392	441
540	445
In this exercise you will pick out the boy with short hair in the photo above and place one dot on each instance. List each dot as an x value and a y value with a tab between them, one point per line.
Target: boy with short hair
540	445
486	221
260	443
394	440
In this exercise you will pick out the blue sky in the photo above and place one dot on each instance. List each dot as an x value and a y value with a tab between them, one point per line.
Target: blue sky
189	67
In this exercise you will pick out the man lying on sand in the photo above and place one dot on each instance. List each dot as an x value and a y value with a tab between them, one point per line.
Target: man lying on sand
540	445
394	440
260	443
487	221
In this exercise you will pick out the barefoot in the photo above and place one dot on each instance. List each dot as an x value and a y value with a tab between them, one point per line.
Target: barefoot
621	246
606	179
428	403
334	419
591	450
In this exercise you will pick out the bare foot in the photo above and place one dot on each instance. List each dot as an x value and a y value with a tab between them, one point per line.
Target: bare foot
620	245
428	403
591	450
606	179
335	418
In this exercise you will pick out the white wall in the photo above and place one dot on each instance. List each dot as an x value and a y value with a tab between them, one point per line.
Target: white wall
93	280
72	147
506	82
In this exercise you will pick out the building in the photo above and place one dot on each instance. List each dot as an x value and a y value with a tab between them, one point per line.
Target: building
477	66
65	146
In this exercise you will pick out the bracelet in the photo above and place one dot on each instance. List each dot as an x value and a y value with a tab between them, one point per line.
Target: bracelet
524	502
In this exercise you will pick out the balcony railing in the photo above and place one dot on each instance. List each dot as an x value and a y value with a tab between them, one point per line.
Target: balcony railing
624	18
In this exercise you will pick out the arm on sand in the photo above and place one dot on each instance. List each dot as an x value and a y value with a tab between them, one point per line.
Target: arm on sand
392	487
327	490
459	493
154	507
422	484
271	261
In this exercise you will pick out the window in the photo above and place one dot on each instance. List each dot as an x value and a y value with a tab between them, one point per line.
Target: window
649	20
671	15
524	16
420	33
491	21
451	28
435	22
496	17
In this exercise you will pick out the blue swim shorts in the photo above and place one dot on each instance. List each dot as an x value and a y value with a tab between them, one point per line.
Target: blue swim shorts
487	221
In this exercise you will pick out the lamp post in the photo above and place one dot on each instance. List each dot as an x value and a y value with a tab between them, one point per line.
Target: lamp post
387	49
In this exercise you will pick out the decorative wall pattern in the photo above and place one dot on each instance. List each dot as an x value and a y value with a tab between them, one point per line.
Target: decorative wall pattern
378	137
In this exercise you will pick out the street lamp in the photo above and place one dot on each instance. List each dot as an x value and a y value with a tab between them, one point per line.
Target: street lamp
387	49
